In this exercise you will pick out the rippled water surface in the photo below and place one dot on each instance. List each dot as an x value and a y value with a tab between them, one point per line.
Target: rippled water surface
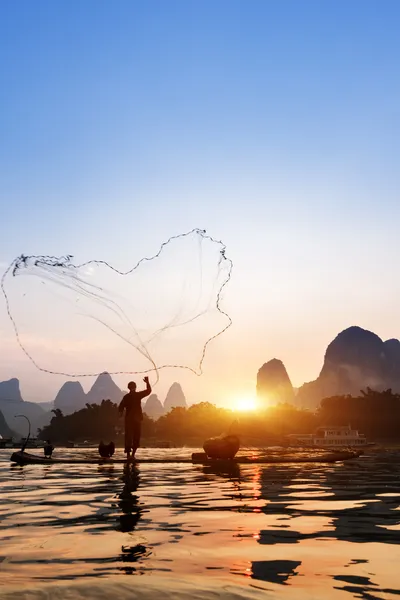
319	530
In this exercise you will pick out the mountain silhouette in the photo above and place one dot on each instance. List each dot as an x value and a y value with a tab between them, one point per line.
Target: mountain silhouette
273	384
153	407
9	390
104	388
354	360
70	398
5	431
175	397
12	404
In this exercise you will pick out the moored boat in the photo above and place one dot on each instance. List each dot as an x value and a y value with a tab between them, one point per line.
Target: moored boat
332	437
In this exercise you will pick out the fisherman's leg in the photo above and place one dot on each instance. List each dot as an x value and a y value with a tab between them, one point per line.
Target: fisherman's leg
136	436
128	438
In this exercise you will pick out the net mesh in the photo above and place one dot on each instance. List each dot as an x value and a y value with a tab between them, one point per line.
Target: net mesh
79	320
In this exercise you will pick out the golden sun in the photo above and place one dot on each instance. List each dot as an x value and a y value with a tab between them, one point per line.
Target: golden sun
245	403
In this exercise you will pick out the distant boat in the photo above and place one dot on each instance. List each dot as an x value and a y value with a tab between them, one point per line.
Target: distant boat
332	437
6	442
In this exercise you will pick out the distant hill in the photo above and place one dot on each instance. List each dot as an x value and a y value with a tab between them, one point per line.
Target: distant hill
175	397
70	398
354	360
46	405
273	384
153	407
5	430
9	390
104	388
12	404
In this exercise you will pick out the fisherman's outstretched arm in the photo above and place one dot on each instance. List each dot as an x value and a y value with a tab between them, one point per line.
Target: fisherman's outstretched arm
147	391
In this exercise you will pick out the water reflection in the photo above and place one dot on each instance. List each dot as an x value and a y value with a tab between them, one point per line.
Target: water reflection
271	526
363	587
132	509
274	571
128	500
348	504
227	471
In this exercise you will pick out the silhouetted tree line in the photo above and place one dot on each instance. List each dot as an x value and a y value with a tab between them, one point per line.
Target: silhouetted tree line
376	414
93	423
180	426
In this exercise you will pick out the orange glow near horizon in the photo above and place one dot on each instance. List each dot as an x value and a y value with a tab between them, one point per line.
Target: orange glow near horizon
245	404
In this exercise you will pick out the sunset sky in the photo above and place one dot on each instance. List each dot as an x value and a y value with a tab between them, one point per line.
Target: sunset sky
272	124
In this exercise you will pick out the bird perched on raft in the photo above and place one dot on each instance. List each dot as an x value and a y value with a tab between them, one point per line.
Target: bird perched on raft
225	446
48	449
106	450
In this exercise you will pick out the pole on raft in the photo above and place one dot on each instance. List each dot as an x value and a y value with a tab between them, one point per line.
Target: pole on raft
29	431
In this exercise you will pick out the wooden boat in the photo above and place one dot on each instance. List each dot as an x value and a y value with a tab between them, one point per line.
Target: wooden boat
25	458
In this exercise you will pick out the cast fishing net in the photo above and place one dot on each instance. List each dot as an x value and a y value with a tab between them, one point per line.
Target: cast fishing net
79	320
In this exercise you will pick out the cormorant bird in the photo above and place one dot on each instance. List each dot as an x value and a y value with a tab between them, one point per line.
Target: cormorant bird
106	450
48	449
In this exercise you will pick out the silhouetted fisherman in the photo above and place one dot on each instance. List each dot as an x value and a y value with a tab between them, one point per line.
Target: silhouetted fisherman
48	449
106	450
132	404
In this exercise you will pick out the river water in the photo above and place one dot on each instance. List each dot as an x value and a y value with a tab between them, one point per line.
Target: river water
258	531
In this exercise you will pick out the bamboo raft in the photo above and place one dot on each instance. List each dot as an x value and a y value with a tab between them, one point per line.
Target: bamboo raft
25	458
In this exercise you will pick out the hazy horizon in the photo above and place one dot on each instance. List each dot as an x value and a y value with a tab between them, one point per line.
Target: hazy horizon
160	389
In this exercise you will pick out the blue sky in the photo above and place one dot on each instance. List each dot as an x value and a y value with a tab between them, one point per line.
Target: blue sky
272	124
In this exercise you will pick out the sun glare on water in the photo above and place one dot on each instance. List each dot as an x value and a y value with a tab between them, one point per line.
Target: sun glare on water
245	404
